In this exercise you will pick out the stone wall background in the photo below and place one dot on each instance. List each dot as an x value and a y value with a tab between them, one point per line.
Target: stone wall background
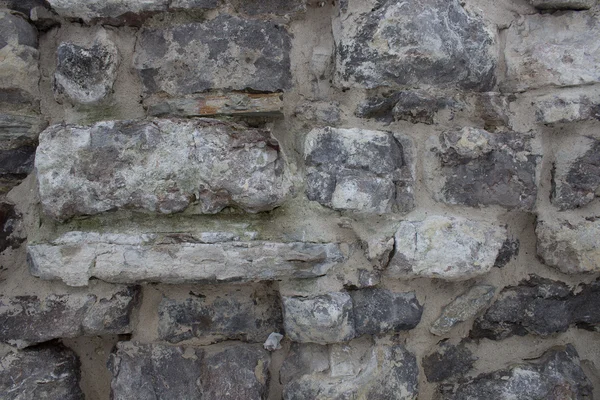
407	191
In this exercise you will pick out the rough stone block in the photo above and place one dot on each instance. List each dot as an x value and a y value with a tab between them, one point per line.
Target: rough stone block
42	373
474	167
447	362
450	248
416	106
359	170
324	113
562	4
413	44
19	54
118	258
224	53
11	234
566	108
158	166
276	7
304	359
20	121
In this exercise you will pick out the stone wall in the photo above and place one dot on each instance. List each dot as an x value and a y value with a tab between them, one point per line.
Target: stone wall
299	199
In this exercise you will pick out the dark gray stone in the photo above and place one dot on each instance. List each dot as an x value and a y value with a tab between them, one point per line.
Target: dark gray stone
16	31
49	372
415	106
556	375
562	4
248	313
377	311
567	107
448	361
414	44
224	53
20	120
10	221
276	7
15	165
508	251
23	6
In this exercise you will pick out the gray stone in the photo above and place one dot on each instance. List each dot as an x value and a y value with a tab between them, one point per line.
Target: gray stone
91	10
20	120
413	44
304	359
447	362
416	106
556	375
326	113
31	319
552	50
569	244
42	373
450	248
118	258
576	173
510	250
160	166
359	170
224	53
193	4
377	311
474	167
562	4
567	108
248	313
463	308
358	369
23	6
273	342
85	75
322	319
11	234
276	7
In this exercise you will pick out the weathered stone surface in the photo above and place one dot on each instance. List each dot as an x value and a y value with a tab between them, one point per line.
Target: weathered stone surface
19	54
562	4
553	50
576	173
159	166
42	373
413	44
359	170
474	167
118	258
358	369
20	121
378	311
248	313
556	375
10	224
448	361
23	6
85	75
27	320
224	53
320	319
510	250
463	308
451	248
277	7
569	244
304	359
565	108
541	307
319	112
15	165
416	106
90	10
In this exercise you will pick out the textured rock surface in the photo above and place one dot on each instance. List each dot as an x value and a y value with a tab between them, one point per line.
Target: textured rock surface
463	308
565	108
555	375
10	227
562	4
474	167
416	106
19	54
42	373
76	257
27	320
448	361
224	53
433	42
20	121
277	7
249	313
359	170
451	248
160	166
549	50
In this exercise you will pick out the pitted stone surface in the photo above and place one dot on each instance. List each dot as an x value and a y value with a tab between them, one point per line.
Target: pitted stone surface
451	248
413	44
463	308
359	170
119	258
224	53
159	166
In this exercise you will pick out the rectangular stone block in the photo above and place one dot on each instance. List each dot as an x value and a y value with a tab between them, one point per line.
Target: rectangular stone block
567	107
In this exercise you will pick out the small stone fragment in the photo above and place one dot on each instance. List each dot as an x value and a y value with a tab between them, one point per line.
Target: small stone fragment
319	112
510	249
463	308
273	342
562	4
10	227
448	361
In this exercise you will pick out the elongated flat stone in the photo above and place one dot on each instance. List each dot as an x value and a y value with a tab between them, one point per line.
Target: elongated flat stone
159	166
464	307
76	257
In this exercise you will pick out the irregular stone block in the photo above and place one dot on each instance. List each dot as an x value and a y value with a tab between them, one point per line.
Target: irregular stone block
413	44
320	319
539	306
90	10
510	249
85	75
224	53
474	167
416	106
553	50
77	256
159	166
463	308
40	373
576	173
277	7
248	313
319	112
378	311
15	165
304	359
20	121
557	374
569	244
19	54
562	4
10	227
359	369
450	248
23	6
359	170
31	319
567	107
448	361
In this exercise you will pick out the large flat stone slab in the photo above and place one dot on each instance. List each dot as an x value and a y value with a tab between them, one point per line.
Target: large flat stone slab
160	166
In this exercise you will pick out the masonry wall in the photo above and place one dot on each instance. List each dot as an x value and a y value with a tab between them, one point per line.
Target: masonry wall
296	199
